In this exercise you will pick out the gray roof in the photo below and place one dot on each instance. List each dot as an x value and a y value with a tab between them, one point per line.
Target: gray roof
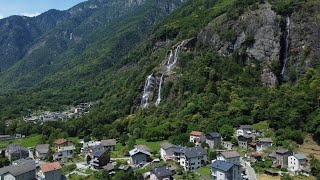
215	135
166	145
269	140
108	167
300	156
17	170
99	152
222	165
191	152
163	171
282	151
43	148
136	151
245	127
14	148
109	142
230	154
143	147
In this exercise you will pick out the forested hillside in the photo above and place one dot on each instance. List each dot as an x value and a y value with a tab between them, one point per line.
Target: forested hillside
231	69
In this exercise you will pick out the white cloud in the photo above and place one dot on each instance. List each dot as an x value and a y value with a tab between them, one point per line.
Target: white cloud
30	14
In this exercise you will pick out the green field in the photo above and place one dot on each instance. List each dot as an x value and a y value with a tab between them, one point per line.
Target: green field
204	172
154	146
30	141
263	125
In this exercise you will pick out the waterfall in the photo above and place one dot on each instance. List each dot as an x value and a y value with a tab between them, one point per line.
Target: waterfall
159	91
148	87
174	56
286	52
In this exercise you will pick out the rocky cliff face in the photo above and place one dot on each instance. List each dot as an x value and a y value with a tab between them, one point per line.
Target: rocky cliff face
259	36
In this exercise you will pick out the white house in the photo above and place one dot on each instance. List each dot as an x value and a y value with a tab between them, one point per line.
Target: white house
297	163
222	170
63	149
263	144
192	158
229	156
197	137
167	151
244	130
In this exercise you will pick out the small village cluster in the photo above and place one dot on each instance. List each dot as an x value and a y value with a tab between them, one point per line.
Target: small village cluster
227	165
72	112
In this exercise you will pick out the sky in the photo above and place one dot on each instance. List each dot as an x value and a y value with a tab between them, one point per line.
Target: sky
33	7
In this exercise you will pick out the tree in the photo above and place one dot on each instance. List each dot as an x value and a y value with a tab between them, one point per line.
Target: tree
212	155
131	143
286	177
88	159
123	139
226	132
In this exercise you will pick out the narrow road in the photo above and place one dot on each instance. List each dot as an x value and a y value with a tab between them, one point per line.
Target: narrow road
249	170
115	159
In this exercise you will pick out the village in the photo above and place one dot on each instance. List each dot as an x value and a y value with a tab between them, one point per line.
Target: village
205	156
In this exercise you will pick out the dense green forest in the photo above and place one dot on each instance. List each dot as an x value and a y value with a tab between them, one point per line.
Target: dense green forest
208	91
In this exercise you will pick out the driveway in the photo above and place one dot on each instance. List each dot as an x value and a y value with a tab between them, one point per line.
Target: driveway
249	170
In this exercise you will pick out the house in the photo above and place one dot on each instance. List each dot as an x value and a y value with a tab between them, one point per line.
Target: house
161	173
167	151
227	145
50	171
192	158
229	156
109	144
100	158
42	150
16	152
63	149
24	170
244	141
89	144
197	137
263	144
298	163
138	156
142	147
244	130
213	140
280	158
222	170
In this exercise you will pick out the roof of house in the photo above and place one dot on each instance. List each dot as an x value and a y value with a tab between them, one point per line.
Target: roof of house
268	140
282	151
97	148
300	156
215	135
136	151
14	148
230	154
162	171
50	167
99	153
108	167
196	133
109	142
60	141
166	145
245	127
143	147
222	165
17	170
191	152
43	148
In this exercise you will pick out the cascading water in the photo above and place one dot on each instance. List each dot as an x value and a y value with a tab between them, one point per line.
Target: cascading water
150	81
148	88
159	91
174	57
286	52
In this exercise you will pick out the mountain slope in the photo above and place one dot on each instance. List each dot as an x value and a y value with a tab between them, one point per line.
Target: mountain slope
230	58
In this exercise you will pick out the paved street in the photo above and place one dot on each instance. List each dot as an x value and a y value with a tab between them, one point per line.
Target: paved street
249	170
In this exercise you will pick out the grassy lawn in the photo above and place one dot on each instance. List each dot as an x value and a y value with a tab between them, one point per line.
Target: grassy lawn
30	141
154	146
204	172
74	139
263	125
117	153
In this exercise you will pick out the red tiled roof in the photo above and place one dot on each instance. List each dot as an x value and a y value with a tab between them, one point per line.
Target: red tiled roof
60	141
50	167
196	133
